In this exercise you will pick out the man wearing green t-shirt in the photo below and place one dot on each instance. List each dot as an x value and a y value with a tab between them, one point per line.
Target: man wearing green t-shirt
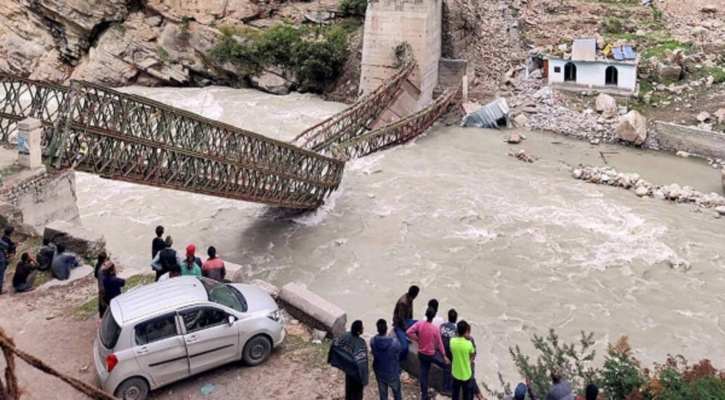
462	350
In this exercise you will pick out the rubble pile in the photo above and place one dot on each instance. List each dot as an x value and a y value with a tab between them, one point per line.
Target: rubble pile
539	104
674	192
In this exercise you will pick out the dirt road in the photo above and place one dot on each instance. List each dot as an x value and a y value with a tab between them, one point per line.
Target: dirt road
59	325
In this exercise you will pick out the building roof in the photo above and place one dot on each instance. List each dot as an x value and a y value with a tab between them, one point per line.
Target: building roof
584	50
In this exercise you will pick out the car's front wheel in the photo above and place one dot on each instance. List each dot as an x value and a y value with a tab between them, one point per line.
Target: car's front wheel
257	350
133	389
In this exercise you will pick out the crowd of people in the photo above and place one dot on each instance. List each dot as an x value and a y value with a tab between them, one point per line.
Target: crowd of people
448	344
54	258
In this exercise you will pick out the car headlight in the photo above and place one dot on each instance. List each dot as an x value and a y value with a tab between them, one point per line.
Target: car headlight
275	316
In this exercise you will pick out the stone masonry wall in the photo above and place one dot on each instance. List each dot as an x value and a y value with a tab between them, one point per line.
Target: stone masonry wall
11	193
692	140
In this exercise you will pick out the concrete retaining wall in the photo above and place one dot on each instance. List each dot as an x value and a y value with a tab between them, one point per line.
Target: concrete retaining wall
75	238
692	140
312	310
412	366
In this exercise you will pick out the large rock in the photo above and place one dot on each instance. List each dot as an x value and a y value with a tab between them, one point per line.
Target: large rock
670	72
75	238
632	128
703	116
206	11
606	105
720	115
312	309
271	83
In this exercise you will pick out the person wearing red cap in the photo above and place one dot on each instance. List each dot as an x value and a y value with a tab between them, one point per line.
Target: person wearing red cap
192	264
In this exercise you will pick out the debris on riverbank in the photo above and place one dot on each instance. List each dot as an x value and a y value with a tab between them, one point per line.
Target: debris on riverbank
642	188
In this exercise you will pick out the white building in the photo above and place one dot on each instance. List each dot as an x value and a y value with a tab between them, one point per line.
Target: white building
586	68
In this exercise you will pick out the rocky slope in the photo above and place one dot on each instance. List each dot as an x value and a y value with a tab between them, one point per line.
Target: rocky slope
121	42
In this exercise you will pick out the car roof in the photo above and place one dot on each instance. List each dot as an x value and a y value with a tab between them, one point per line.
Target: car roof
158	298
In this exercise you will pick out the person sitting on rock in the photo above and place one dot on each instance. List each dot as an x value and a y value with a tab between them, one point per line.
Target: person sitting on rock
213	268
25	273
45	255
63	263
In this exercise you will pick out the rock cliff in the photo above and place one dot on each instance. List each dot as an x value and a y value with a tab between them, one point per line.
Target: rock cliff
122	42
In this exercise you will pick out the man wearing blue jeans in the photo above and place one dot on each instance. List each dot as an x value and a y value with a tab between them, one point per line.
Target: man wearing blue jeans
403	318
386	352
448	332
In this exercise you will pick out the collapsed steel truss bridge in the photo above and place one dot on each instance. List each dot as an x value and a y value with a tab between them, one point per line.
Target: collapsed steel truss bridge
131	138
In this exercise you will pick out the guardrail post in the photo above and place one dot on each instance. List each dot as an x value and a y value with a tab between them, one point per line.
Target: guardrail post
30	154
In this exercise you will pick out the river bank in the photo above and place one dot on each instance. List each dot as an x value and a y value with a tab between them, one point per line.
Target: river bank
515	247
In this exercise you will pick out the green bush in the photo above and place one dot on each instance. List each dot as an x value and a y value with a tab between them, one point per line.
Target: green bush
621	377
315	56
354	7
613	25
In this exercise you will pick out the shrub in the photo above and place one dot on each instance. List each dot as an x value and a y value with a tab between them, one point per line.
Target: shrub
354	7
314	56
621	377
612	25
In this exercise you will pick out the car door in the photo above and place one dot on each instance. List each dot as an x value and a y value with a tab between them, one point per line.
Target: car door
210	339
160	350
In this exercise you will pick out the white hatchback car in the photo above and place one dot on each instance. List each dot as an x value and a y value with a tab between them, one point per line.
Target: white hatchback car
167	331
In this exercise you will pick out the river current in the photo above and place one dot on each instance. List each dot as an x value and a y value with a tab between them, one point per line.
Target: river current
516	248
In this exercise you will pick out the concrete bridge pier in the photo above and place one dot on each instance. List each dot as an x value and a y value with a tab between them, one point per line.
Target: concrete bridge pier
388	23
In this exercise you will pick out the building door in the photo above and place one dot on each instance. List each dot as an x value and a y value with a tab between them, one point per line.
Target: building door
570	72
546	68
611	76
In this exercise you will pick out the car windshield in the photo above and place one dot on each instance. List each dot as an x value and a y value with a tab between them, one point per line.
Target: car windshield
225	295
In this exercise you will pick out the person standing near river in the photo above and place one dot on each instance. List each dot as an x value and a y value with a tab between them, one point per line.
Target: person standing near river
166	259
463	351
386	356
448	332
213	268
98	271
349	353
430	345
403	318
158	243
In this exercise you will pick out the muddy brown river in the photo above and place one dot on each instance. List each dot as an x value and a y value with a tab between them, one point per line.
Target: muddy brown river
516	248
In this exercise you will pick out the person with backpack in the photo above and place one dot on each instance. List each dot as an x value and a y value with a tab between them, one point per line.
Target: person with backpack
166	258
349	353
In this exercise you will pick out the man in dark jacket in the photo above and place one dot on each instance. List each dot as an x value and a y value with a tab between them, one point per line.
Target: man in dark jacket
45	255
403	318
158	243
166	259
25	273
7	250
448	332
111	283
349	353
386	355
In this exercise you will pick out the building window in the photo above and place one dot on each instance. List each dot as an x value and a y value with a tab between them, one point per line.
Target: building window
611	76
557	70
569	72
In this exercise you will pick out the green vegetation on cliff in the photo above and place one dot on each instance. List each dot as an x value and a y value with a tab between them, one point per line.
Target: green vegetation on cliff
622	376
314	56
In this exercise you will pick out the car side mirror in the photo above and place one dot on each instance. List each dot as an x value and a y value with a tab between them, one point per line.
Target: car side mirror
231	320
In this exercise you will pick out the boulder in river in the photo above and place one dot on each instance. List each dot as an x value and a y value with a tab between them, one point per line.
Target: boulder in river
514	138
632	128
271	83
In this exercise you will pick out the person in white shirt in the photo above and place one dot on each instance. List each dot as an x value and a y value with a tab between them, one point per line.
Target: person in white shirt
173	273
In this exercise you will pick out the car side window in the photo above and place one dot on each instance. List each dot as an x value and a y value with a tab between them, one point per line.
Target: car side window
201	318
156	329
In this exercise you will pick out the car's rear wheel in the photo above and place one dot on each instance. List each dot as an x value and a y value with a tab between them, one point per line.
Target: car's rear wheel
133	389
257	350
